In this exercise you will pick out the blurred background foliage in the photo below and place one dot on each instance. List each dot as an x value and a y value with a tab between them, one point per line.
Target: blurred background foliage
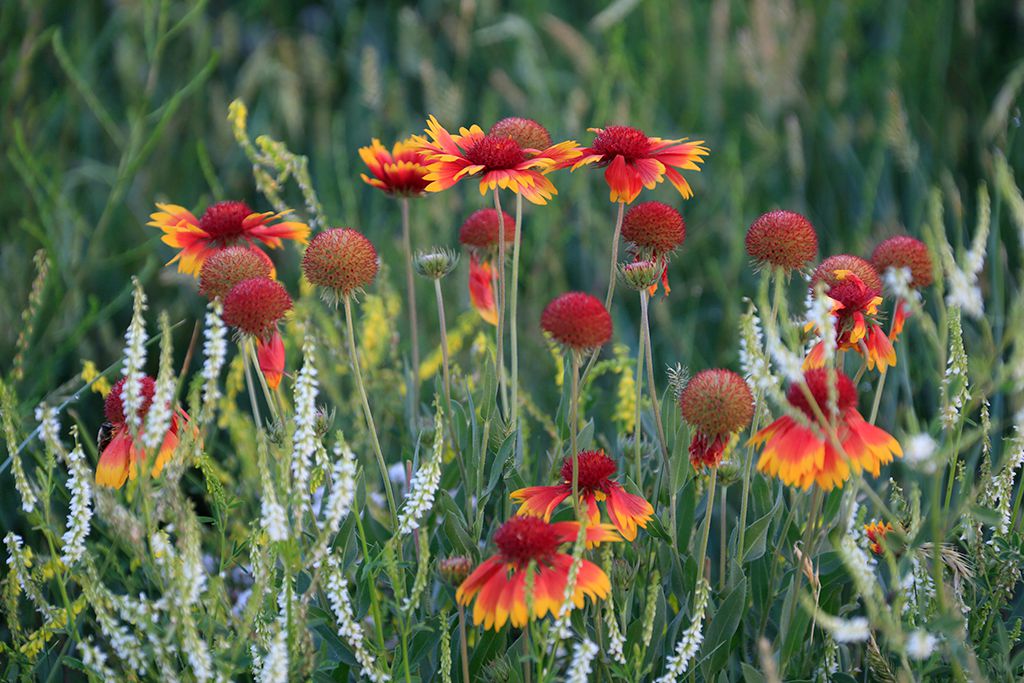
849	112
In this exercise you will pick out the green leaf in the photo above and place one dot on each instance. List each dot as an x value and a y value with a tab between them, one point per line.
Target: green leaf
720	631
750	674
757	534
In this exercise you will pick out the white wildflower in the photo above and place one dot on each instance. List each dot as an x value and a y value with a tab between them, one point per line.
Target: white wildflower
897	283
423	486
921	644
1002	486
275	664
134	360
858	564
158	419
49	426
919	451
94	658
343	486
348	628
305	444
918	587
616	641
955	383
215	352
854	630
679	662
80	512
273	520
789	364
962	283
754	363
22	484
582	659
20	566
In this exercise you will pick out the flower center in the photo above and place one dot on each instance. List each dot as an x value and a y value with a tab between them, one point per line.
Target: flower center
527	133
495	152
631	143
852	294
522	539
818	382
223	220
594	469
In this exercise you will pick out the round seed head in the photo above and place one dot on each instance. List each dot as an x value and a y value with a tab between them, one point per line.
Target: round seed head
782	239
227	267
255	306
340	259
578	321
826	271
903	251
655	227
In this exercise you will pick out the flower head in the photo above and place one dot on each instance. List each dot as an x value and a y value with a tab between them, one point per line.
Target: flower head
903	251
526	133
227	267
399	172
799	452
255	306
594	479
437	263
479	232
855	308
876	532
499	583
633	161
221	225
454	570
829	269
340	259
642	274
654	228
782	239
717	403
577	320
497	157
119	451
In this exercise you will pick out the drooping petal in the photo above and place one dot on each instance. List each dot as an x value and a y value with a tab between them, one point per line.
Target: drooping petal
627	511
540	501
116	460
270	356
481	292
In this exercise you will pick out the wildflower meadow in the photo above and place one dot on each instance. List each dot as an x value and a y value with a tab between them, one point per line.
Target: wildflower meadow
633	340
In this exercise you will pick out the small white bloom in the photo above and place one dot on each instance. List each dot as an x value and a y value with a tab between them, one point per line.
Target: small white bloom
423	486
306	390
215	352
686	649
854	630
582	659
134	360
349	629
273	520
275	664
918	452
921	644
80	512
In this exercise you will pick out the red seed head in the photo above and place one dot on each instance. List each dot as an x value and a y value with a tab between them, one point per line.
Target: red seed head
593	472
631	143
480	231
495	152
113	407
818	382
902	251
227	267
454	570
341	259
527	133
826	271
223	220
782	239
655	227
577	320
522	539
717	402
255	306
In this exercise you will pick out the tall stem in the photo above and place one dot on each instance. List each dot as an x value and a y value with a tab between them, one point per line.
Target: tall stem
574	400
656	409
463	652
500	341
611	279
514	312
708	514
410	303
447	384
748	462
641	351
370	426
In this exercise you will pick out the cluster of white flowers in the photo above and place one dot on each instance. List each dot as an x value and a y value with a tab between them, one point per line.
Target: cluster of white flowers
423	486
857	563
962	288
582	659
198	653
919	589
275	665
158	419
897	283
144	615
955	386
273	519
789	364
126	645
679	662
616	641
1002	486
49	426
94	658
215	353
919	451
134	361
306	390
754	363
921	644
348	628
855	630
343	486
80	511
22	484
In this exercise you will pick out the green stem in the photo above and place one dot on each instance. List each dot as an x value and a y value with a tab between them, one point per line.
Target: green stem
255	407
500	335
410	302
748	463
447	382
371	427
656	409
706	533
378	619
463	652
878	397
611	280
514	312
574	399
637	430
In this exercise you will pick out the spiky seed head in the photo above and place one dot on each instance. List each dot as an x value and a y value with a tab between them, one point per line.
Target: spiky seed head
903	251
341	260
436	263
826	271
578	321
255	306
654	227
527	133
782	239
227	267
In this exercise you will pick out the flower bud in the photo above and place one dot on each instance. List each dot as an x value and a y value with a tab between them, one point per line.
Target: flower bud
436	263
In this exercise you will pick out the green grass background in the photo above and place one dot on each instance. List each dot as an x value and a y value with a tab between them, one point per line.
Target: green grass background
849	112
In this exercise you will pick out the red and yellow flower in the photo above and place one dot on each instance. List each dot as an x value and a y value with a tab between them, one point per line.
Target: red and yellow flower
481	289
718	404
119	450
594	480
633	161
499	583
855	308
221	225
654	231
399	172
798	452
876	532
497	158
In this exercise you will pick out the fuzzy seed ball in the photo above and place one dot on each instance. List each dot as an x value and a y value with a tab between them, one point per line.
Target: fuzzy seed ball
654	226
577	320
255	306
113	406
717	402
227	267
826	271
527	133
455	569
903	251
341	259
782	239
480	230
